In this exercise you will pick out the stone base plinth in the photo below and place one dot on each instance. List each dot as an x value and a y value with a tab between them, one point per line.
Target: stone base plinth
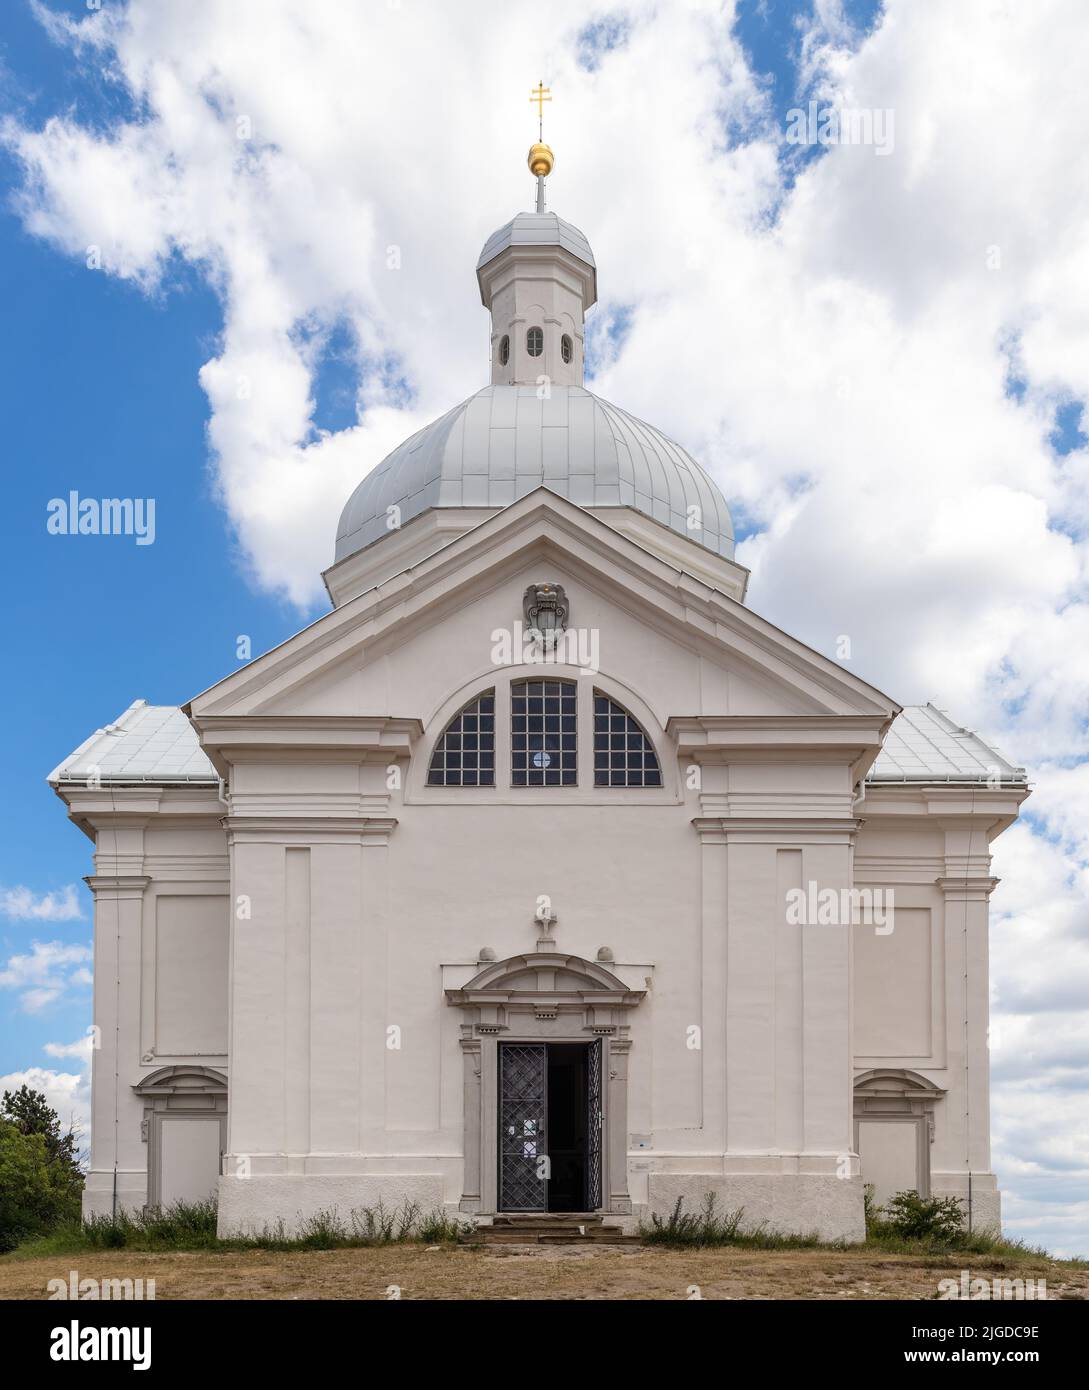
251	1206
817	1204
99	1193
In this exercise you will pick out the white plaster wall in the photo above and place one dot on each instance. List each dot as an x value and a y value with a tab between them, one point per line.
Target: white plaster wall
922	992
536	291
158	852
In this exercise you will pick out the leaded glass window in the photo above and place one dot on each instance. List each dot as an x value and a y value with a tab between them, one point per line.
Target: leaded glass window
542	734
465	755
623	755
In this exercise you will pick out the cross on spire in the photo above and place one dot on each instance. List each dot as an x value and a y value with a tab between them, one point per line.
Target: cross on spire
540	94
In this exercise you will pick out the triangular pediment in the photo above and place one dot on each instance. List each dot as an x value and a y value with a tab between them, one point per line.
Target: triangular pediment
748	666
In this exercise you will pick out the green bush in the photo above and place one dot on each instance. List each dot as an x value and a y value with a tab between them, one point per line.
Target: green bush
919	1217
912	1217
36	1193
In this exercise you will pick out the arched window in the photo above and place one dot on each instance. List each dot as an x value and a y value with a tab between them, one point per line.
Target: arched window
465	755
504	350
542	734
567	348
623	755
535	342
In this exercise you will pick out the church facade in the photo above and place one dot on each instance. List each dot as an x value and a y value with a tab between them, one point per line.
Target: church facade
541	873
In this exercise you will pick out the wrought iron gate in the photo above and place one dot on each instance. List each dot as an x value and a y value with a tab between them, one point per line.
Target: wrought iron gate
594	1121
523	1110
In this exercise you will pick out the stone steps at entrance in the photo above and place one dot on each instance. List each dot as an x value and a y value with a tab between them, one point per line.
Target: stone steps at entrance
549	1228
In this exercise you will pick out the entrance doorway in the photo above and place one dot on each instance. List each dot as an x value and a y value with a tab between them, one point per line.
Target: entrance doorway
550	1124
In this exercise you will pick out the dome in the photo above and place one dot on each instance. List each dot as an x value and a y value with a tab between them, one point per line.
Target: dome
540	229
505	441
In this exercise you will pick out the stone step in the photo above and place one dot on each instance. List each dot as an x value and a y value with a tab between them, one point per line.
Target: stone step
548	1229
546	1218
606	1236
479	1240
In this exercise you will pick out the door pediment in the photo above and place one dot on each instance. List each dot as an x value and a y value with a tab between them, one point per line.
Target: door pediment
546	986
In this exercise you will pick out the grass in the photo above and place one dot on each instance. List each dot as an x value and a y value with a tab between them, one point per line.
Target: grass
696	1230
192	1226
709	1228
375	1250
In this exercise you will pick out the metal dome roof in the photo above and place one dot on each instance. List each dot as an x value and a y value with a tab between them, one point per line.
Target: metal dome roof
504	441
540	229
537	229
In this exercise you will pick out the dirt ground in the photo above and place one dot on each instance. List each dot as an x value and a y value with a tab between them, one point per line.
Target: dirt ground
533	1272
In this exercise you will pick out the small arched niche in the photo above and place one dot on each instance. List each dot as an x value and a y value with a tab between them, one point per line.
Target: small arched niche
894	1128
185	1129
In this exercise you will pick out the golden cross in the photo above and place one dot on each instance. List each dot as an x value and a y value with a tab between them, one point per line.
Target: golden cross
539	94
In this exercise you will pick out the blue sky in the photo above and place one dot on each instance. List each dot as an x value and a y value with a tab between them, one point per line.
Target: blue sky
101	392
839	356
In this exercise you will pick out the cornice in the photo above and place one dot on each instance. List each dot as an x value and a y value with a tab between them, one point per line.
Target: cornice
230	739
311	829
774	829
129	884
968	889
949	807
701	736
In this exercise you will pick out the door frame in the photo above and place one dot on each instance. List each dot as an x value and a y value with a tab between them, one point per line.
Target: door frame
491	1114
542	997
587	1047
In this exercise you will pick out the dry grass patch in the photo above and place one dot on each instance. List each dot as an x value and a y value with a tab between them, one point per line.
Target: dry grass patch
532	1272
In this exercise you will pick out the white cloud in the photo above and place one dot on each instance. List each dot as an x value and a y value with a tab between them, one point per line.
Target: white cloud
83	1048
48	972
24	905
838	352
69	1093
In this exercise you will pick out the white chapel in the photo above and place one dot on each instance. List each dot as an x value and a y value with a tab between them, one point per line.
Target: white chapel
541	874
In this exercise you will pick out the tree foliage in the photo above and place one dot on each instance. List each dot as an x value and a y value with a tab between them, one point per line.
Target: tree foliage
40	1176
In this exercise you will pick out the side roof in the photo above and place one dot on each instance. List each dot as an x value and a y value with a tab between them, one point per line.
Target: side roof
147	743
157	744
924	745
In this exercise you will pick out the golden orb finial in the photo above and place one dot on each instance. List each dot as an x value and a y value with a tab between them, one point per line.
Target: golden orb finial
541	160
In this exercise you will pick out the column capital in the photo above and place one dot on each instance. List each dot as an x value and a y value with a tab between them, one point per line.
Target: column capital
973	888
295	829
774	829
123	885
